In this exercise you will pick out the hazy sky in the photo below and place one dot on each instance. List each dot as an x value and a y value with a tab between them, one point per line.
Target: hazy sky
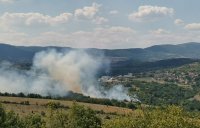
99	23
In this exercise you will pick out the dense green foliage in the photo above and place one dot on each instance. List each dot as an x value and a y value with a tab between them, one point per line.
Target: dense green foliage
170	117
179	86
9	119
160	94
76	117
81	117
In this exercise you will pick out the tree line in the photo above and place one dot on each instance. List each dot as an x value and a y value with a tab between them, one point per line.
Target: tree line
71	96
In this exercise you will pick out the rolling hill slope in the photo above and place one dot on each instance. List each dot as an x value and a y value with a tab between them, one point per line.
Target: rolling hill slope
122	60
154	53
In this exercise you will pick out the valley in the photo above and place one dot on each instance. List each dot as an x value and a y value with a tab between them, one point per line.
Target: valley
125	88
99	64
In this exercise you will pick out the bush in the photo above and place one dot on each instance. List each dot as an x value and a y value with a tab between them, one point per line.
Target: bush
13	121
82	117
131	105
9	120
2	116
25	103
77	117
170	117
33	121
54	105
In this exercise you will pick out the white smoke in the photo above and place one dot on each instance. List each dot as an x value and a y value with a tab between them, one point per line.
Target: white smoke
56	73
13	80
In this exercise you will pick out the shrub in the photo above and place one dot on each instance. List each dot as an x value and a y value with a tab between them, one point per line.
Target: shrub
25	103
33	121
82	117
2	116
170	117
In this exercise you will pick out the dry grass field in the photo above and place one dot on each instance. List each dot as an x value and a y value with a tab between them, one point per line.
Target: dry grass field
37	105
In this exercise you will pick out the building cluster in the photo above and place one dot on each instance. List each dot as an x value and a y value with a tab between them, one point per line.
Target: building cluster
116	79
178	77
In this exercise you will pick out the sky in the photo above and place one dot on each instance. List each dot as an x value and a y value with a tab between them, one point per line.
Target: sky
107	24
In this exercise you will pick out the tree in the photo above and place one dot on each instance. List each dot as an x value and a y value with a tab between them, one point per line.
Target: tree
2	116
81	117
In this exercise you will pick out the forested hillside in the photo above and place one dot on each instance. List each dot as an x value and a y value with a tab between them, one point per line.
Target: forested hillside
153	53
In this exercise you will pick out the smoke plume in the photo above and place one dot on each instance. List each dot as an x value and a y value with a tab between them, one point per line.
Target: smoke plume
56	73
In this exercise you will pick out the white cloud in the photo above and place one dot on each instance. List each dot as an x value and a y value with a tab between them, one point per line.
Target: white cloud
179	22
90	13
99	37
115	30
117	37
99	20
113	12
34	23
159	31
6	1
13	37
150	13
193	26
31	29
170	38
87	12
29	19
112	37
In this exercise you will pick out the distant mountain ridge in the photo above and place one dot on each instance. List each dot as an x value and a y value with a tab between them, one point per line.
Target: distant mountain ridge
153	53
